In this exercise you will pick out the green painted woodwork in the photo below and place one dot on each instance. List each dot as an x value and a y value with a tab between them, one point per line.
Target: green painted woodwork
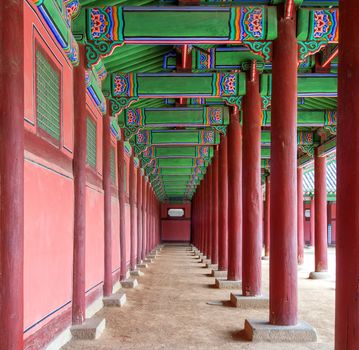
112	166
47	96
156	85
307	118
91	142
308	85
174	117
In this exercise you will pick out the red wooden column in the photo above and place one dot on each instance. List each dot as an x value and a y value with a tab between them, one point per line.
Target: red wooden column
300	224
79	170
283	216
132	194
234	196
347	301
121	199
320	233
148	237
106	179
252	193
206	218
139	215
12	175
201	247
223	206
312	221
215	209
144	198
266	231
209	214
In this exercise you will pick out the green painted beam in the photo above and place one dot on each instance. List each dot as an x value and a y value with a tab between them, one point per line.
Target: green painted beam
173	85
197	116
176	137
159	25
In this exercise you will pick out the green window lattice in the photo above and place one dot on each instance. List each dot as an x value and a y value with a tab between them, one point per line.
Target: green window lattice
47	96
125	176
112	163
91	142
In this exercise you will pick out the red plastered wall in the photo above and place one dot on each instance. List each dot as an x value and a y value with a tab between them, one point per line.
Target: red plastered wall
176	229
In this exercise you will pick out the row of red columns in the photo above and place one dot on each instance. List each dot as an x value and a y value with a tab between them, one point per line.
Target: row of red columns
284	195
143	237
12	190
283	219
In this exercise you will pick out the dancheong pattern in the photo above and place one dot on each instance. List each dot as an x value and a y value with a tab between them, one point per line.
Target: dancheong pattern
305	138
224	84
324	25
213	116
206	136
143	137
247	23
106	24
124	85
203	152
134	117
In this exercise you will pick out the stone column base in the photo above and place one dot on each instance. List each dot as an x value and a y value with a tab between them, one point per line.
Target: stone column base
212	266
324	275
249	302
130	283
227	284
217	273
142	266
262	331
148	261
137	273
117	299
91	329
206	261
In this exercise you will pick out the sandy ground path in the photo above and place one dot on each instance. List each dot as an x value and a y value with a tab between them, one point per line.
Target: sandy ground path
170	310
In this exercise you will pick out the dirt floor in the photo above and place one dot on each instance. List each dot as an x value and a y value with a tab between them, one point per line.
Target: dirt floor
170	309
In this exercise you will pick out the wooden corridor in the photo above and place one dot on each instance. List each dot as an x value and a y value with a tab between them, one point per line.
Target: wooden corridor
176	307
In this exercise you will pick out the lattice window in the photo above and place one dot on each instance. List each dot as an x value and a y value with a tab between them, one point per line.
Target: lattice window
91	142
112	164
47	96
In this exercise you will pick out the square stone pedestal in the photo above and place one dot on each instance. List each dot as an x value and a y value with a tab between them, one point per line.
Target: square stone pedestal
222	283
319	275
220	274
261	331
130	283
257	302
212	266
206	261
148	261
137	273
91	329
117	299
142	265
152	256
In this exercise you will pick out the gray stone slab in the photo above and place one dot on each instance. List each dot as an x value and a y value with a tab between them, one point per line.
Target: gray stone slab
142	265
217	273
324	275
261	331
117	299
212	266
227	284
249	302
91	329
137	273
130	283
